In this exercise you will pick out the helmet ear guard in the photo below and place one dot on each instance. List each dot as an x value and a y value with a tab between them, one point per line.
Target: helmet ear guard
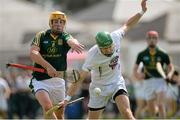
103	39
57	15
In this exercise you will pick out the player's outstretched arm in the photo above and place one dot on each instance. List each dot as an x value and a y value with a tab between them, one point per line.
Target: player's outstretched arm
75	45
132	21
36	57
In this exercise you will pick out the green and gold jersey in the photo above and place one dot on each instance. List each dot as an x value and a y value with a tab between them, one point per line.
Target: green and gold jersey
149	61
54	50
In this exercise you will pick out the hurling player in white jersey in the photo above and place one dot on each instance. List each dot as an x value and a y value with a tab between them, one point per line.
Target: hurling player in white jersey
103	62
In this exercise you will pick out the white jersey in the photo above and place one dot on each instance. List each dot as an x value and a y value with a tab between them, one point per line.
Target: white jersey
105	70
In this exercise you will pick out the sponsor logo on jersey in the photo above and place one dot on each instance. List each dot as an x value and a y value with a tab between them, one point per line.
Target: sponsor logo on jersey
159	59
45	42
52	50
146	58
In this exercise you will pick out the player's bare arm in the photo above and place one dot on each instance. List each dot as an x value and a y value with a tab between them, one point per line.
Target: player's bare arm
138	75
170	71
75	45
36	57
132	21
75	86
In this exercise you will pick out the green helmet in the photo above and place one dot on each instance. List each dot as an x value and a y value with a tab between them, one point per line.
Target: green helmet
103	39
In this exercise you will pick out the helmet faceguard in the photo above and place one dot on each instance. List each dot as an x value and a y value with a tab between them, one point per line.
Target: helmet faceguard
105	43
57	15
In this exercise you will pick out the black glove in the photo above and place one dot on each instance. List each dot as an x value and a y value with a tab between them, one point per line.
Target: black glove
170	81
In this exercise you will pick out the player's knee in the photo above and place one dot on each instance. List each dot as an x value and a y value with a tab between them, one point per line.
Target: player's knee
126	113
47	106
161	106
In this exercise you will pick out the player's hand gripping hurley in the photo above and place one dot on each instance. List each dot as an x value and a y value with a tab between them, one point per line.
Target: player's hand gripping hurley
75	73
162	73
56	107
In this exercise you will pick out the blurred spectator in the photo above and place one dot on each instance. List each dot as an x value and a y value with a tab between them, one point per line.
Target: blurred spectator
11	76
25	102
21	102
4	95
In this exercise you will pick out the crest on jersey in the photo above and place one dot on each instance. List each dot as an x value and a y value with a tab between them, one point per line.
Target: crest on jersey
114	62
146	58
45	42
159	59
60	42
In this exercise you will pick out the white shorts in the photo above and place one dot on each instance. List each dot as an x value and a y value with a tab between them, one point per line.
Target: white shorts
3	104
139	90
153	86
54	86
172	92
107	94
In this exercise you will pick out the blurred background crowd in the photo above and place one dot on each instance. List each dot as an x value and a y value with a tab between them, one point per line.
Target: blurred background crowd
21	19
17	101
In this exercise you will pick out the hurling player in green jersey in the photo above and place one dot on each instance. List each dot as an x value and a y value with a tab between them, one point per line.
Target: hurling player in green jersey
49	51
154	85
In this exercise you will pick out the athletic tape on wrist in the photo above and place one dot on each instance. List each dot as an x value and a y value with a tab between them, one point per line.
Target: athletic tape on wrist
68	98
